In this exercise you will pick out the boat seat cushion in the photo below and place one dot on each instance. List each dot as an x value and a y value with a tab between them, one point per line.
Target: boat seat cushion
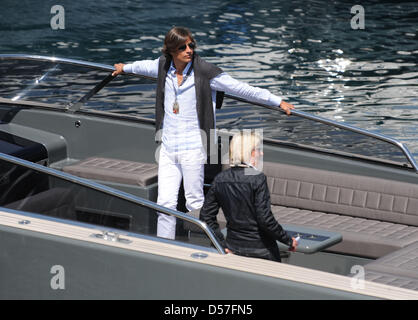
392	280
399	268
115	170
361	237
341	193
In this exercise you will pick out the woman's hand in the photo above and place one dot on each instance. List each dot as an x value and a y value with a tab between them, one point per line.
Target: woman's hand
294	244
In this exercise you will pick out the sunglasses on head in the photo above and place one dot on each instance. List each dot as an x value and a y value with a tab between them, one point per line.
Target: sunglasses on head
191	46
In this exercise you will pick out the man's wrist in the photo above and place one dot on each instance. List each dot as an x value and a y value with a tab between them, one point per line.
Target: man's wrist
127	68
275	100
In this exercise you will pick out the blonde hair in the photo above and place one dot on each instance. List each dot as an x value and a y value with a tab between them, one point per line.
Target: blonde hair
241	147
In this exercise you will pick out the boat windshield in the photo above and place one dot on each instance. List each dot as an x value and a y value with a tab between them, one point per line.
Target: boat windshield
35	189
123	95
88	87
46	81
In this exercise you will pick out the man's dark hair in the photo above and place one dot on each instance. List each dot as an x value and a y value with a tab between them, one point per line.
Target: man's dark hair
174	39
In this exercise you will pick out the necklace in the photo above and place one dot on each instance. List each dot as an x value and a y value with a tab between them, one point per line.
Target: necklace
176	106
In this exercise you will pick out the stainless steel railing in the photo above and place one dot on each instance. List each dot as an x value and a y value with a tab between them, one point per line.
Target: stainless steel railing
340	125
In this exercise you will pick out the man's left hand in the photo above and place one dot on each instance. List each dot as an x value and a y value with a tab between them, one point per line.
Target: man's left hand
286	107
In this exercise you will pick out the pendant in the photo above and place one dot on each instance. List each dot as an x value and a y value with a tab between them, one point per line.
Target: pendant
176	108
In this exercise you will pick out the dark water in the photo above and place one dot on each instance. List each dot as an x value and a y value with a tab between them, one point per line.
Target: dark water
305	51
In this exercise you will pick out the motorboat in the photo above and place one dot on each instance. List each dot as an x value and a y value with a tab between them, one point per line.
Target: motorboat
78	190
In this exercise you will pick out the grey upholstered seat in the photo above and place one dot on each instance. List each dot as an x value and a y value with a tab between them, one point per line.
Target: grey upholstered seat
115	170
402	262
399	268
341	193
392	280
362	237
374	216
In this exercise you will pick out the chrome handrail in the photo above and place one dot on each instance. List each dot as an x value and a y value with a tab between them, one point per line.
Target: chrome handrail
340	125
101	66
117	193
298	113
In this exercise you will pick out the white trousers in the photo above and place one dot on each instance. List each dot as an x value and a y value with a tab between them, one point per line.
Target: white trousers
172	168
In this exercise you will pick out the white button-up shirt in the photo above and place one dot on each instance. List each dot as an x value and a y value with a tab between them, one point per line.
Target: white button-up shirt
181	131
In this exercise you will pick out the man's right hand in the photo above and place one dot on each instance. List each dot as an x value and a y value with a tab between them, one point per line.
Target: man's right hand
118	69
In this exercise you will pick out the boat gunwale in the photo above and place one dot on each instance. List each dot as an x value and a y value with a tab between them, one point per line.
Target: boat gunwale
262	267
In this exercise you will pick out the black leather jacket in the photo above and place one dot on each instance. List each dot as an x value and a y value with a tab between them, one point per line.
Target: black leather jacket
245	201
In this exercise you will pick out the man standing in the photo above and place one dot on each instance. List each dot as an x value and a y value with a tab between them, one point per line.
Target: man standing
185	111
